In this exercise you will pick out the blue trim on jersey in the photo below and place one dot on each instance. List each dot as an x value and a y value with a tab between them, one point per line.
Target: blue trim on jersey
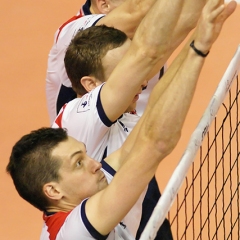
97	21
65	95
86	10
104	154
88	225
108	168
101	112
86	7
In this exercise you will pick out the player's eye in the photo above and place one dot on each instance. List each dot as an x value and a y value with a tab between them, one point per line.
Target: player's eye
79	163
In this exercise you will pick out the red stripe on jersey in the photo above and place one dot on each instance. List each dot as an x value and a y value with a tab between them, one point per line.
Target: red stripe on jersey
134	112
54	223
81	14
58	120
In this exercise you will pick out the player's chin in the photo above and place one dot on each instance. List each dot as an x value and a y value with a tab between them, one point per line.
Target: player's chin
131	108
103	184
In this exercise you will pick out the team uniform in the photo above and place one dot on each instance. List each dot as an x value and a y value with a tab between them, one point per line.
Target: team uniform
74	225
86	121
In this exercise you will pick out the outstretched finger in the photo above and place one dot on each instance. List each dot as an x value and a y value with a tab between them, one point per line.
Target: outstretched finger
227	11
216	13
230	8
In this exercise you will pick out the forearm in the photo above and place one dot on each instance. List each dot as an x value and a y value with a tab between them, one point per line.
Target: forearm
158	26
168	113
128	16
169	74
187	21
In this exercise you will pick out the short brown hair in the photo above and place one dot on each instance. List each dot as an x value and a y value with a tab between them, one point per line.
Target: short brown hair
31	164
86	50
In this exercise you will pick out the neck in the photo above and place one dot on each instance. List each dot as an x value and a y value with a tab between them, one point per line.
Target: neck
66	207
94	9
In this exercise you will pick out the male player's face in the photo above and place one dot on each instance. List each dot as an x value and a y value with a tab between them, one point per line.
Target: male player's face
80	175
110	61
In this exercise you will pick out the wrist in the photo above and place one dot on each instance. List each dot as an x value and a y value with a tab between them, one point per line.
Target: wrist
197	51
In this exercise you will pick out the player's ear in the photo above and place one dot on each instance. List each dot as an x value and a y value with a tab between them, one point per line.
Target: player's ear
89	83
103	6
52	191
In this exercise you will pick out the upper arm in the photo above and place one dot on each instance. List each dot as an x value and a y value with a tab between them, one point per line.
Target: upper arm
125	82
113	203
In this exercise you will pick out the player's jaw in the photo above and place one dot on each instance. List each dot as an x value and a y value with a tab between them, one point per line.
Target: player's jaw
102	181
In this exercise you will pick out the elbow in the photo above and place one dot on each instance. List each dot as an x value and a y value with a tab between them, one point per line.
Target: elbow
152	54
166	145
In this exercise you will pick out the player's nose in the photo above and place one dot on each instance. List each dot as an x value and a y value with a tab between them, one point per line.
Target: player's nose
94	165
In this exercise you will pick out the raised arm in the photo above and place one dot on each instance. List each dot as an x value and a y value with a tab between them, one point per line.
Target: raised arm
205	35
157	134
151	44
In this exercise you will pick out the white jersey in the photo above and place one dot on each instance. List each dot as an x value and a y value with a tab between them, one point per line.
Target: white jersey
143	97
86	121
56	73
74	225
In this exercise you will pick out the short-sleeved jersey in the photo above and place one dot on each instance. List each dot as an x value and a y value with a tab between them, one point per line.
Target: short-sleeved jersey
56	73
74	225
86	121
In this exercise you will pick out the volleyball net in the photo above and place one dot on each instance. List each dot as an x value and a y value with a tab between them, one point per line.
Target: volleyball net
202	197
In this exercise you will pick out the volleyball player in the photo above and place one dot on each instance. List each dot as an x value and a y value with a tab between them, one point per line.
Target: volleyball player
58	86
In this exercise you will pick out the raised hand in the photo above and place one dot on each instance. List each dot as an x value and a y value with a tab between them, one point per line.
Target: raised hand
214	14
